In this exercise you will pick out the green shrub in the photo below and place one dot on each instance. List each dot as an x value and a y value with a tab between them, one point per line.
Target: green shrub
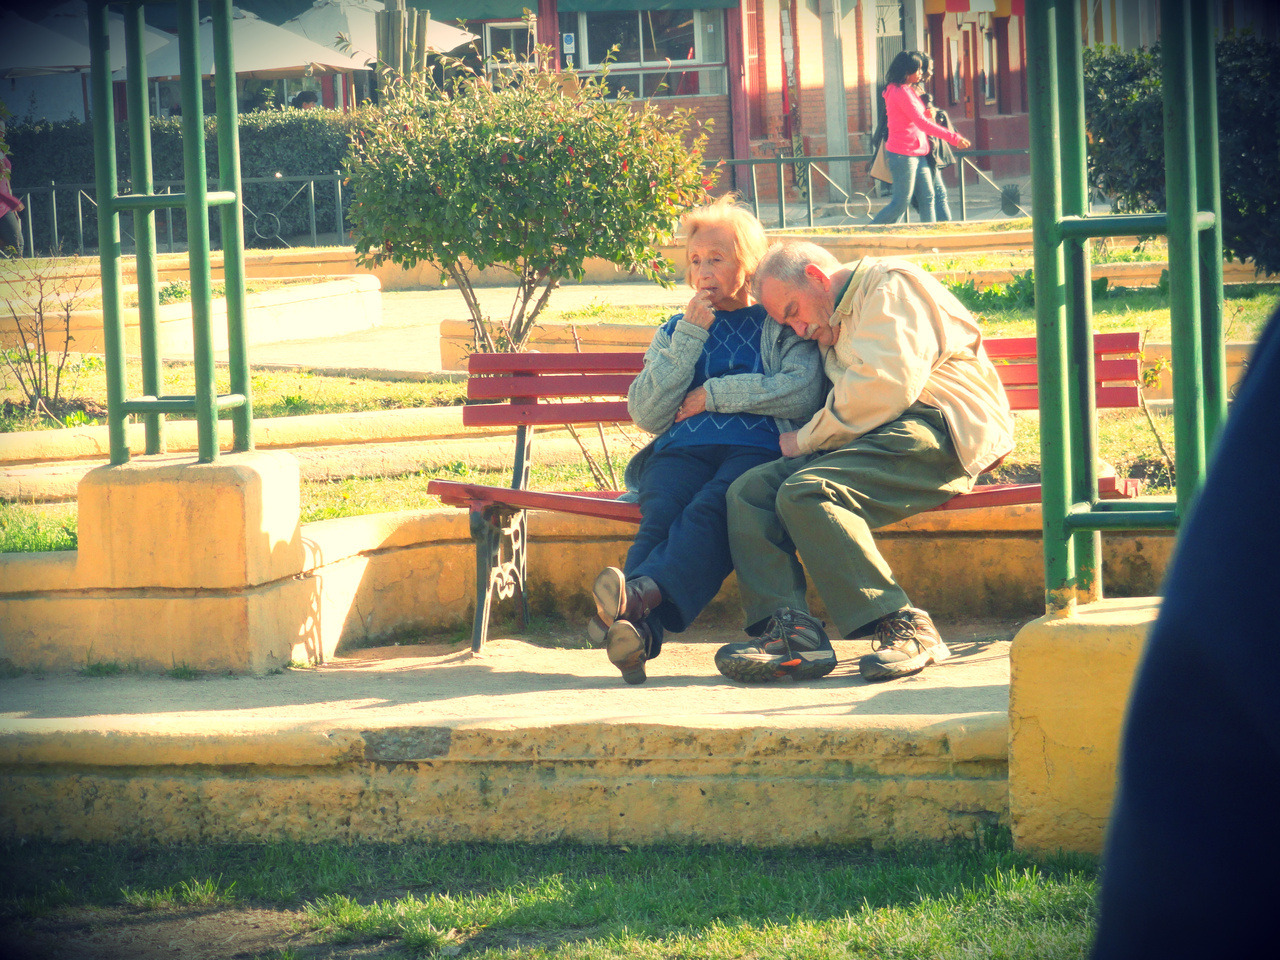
1124	115
528	170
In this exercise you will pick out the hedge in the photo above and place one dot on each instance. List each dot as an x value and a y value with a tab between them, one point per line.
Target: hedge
1125	119
288	142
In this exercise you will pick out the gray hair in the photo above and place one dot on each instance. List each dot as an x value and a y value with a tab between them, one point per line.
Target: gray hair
786	262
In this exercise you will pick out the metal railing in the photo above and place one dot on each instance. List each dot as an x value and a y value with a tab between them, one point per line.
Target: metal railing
1073	514
141	205
803	169
264	219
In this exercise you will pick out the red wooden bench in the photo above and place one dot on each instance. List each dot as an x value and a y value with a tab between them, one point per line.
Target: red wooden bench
528	390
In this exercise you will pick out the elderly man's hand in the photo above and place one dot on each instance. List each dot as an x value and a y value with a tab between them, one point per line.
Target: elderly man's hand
695	402
787	441
699	312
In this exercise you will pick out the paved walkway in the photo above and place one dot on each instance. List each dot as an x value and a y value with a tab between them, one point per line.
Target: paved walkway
407	343
421	685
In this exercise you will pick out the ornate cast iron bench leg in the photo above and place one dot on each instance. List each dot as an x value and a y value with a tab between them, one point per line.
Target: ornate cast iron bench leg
500	536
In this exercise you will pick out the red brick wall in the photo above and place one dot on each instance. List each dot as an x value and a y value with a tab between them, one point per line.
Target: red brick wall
719	138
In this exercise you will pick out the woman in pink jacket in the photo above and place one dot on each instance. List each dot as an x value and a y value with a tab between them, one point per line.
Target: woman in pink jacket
10	207
909	131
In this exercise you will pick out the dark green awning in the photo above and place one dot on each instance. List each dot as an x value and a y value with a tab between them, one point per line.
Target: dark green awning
449	11
597	6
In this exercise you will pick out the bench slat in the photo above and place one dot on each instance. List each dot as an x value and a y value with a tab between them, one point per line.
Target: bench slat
550	385
1104	371
604	503
623	361
599	504
535	414
1124	342
1122	397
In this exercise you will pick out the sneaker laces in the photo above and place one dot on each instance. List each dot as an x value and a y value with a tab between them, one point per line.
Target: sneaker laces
894	630
784	624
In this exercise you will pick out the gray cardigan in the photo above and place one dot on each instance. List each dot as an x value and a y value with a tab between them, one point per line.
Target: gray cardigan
791	389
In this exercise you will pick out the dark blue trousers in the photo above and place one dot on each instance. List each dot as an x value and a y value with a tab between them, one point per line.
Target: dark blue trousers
683	543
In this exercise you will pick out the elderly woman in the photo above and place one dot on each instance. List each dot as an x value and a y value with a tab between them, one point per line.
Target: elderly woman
720	382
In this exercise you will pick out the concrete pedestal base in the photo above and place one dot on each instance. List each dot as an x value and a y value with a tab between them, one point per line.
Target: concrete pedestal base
1069	686
179	564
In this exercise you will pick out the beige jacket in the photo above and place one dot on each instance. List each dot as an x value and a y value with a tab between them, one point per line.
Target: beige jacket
904	337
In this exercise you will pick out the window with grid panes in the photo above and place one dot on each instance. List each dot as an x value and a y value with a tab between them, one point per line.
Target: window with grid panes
660	53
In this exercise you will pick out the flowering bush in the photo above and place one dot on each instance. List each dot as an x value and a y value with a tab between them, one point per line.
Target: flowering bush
526	169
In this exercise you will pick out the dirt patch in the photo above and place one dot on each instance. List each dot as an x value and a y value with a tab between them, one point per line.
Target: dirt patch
125	933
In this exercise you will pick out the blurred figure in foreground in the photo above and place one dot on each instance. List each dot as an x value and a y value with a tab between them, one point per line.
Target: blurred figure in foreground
1191	844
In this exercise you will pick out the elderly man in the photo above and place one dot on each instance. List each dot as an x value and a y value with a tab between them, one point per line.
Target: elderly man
916	411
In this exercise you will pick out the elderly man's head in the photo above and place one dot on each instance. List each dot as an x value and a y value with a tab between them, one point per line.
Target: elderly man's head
723	244
793	282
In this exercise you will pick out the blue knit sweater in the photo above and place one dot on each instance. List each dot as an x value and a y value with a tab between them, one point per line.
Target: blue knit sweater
732	347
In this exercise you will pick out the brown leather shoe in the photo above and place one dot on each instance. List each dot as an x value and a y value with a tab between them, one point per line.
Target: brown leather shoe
627	644
618	598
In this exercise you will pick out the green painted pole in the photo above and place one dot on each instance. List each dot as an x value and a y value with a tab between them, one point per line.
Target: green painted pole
232	222
1184	277
144	220
1055	440
197	209
104	163
1209	200
1082	465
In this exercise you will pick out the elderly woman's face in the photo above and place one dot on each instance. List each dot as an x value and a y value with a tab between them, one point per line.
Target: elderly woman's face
715	270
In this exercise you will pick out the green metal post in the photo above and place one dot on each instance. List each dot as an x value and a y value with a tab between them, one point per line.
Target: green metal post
197	206
232	221
1082	470
1184	279
104	153
1209	199
144	221
1055	439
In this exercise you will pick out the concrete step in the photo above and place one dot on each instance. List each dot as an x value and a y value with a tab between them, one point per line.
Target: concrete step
523	743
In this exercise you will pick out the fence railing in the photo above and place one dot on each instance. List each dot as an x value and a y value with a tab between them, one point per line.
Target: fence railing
858	202
269	213
272	215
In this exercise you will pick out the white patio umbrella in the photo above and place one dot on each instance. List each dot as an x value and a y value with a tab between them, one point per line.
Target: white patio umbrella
71	19
28	49
354	19
261	50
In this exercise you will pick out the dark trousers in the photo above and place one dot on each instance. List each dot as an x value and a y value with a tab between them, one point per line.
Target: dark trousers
683	543
1193	837
11	233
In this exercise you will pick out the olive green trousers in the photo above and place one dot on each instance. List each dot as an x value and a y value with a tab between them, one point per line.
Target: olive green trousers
819	510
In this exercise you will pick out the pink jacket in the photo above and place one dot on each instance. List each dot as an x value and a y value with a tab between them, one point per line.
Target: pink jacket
8	201
909	127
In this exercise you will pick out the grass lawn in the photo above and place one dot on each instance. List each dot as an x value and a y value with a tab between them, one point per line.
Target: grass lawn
1245	311
962	899
275	393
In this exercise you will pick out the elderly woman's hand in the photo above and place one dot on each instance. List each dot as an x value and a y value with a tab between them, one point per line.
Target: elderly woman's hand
695	402
699	312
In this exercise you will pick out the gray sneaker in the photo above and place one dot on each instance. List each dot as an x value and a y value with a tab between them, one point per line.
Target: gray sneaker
793	645
905	643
